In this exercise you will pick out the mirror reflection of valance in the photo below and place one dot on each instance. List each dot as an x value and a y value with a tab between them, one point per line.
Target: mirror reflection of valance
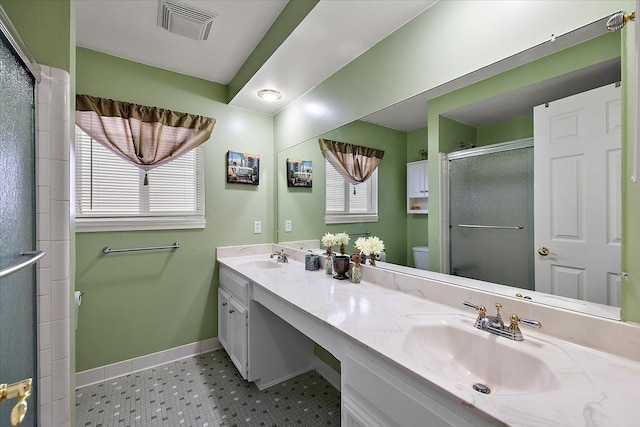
145	136
354	162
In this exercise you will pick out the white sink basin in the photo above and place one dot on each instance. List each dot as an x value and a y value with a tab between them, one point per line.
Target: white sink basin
469	356
263	264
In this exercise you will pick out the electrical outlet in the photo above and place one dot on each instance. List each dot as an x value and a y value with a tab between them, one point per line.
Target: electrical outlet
287	226
257	227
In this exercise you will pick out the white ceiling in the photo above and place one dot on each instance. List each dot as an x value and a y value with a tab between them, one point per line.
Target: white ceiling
128	29
333	34
412	113
520	102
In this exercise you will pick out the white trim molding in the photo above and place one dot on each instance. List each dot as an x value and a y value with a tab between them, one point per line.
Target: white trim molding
129	366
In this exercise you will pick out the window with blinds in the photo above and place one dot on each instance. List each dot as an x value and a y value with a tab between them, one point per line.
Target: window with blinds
111	195
346	203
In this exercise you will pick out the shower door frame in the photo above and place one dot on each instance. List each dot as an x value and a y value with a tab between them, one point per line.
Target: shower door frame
12	40
445	158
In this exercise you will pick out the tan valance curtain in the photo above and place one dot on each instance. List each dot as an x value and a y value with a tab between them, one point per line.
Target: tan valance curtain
354	162
146	136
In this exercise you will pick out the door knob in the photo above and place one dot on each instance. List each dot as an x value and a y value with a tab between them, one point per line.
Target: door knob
21	390
544	251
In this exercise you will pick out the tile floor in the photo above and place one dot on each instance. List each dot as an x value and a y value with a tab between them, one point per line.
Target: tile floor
206	391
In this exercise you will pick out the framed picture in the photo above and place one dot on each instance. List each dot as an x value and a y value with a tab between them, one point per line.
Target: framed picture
243	168
299	173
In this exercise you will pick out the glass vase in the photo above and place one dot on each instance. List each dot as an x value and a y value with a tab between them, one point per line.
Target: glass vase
328	267
341	266
356	274
372	260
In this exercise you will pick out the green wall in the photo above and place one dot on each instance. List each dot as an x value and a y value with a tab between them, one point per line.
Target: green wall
305	206
417	224
451	134
140	303
510	130
630	191
580	56
46	28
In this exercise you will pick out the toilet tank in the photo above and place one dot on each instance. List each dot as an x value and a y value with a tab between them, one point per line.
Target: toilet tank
421	257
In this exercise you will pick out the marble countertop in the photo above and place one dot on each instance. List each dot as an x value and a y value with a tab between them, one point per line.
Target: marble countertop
593	388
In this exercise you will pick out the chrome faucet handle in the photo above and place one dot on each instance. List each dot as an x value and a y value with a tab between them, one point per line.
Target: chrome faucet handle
532	323
481	309
515	320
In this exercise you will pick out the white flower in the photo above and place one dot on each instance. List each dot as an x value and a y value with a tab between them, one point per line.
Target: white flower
328	240
362	244
369	245
342	239
376	245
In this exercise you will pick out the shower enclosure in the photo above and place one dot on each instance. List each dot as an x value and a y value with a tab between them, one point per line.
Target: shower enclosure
18	256
491	213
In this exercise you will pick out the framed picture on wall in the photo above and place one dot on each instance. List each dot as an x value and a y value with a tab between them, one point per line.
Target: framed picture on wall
243	168
299	173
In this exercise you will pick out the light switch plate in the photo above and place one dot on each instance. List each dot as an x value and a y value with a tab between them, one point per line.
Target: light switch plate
287	226
257	227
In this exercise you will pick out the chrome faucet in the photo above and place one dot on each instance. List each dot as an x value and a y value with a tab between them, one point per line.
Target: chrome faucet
495	324
282	257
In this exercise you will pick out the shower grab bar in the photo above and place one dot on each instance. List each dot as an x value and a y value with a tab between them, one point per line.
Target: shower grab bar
108	250
494	227
35	257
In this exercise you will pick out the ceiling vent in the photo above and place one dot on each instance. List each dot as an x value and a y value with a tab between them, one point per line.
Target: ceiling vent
185	20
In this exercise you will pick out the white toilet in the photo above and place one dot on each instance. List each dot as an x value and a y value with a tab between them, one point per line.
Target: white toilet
421	257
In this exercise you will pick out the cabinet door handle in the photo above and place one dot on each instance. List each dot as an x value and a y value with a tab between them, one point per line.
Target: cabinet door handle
231	311
224	304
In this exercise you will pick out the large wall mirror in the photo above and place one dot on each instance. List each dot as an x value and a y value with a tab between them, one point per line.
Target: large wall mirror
486	109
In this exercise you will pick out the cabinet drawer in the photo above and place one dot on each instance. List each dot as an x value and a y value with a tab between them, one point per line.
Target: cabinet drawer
234	283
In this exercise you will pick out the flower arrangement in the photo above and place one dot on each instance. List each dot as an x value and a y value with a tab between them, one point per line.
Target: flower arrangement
370	247
328	240
342	239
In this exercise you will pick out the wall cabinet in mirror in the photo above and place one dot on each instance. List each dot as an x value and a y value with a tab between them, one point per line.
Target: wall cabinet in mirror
417	187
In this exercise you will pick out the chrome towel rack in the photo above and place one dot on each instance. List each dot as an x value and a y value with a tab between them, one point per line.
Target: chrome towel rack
495	227
108	250
362	233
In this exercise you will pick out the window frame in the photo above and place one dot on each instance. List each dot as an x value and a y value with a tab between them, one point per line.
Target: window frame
97	222
346	217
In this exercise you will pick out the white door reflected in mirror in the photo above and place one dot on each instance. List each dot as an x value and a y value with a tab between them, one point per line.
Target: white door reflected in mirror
577	194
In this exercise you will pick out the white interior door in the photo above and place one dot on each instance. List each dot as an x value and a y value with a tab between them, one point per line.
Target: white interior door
577	195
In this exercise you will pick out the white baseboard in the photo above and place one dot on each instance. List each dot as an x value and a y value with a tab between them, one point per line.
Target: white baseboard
327	372
126	367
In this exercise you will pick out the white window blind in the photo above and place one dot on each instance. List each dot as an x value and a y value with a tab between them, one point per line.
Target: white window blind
110	194
342	205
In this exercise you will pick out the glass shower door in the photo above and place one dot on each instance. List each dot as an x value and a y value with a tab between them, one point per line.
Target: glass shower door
17	240
491	217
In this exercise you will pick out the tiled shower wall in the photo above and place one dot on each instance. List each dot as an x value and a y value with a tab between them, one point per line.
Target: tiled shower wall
54	293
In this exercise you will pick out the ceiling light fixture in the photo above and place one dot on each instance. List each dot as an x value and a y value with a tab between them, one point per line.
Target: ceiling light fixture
270	94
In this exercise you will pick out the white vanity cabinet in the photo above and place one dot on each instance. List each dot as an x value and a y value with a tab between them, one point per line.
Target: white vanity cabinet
376	394
263	347
233	318
417	187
